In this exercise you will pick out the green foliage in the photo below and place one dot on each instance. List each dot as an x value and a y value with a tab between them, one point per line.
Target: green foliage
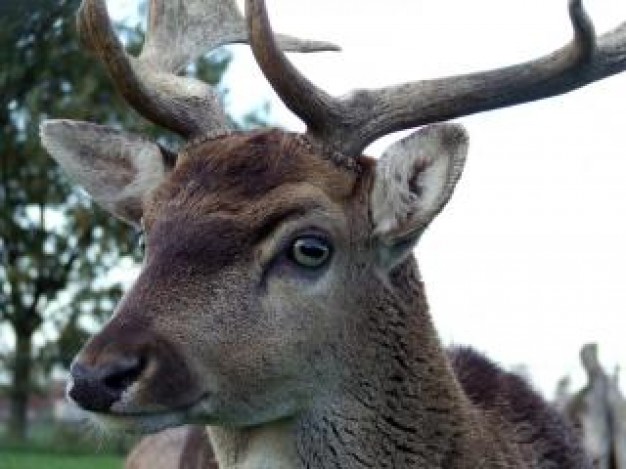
56	247
50	234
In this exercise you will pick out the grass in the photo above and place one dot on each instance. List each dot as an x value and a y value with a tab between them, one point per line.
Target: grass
55	446
25	460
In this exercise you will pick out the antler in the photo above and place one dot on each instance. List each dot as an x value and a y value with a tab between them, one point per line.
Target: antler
350	123
178	33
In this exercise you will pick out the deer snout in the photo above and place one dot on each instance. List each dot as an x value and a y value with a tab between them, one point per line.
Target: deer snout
97	387
129	368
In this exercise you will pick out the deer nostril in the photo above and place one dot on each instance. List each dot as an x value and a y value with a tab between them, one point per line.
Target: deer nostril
119	376
98	388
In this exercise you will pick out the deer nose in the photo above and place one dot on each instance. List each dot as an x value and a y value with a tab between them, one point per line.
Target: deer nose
97	388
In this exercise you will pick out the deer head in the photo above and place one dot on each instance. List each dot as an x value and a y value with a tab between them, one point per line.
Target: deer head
278	276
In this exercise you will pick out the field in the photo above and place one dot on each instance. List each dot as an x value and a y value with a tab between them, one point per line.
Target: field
23	460
54	446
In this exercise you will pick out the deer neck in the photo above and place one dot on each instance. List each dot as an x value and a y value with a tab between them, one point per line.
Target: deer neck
398	405
269	446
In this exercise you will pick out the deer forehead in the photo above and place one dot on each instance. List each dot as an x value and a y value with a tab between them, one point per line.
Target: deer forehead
251	177
227	201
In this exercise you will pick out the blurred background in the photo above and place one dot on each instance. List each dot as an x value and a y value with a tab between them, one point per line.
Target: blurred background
527	263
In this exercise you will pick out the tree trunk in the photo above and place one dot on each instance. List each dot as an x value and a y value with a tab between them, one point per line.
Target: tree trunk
20	391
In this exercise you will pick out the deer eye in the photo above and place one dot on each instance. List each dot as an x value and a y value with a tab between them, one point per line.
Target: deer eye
310	251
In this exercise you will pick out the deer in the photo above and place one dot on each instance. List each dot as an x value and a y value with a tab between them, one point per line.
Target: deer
279	302
598	411
186	447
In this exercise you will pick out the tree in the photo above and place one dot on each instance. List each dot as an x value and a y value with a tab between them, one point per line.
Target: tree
56	248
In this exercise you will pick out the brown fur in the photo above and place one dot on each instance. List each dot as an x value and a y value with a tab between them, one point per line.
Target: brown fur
338	368
534	422
197	452
186	447
227	175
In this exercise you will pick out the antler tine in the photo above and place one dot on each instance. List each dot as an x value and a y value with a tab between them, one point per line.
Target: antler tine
184	105
352	122
311	104
178	33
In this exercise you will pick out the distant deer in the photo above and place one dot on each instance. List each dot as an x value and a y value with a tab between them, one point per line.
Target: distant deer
186	447
599	412
279	302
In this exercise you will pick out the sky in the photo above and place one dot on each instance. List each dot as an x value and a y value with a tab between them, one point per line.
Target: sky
528	260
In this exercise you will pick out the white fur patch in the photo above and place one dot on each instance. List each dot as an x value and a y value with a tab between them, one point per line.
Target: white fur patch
116	168
415	178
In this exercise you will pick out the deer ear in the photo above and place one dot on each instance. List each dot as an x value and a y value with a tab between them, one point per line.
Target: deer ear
414	179
116	168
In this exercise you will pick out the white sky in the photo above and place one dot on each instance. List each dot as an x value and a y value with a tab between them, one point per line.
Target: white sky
528	261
